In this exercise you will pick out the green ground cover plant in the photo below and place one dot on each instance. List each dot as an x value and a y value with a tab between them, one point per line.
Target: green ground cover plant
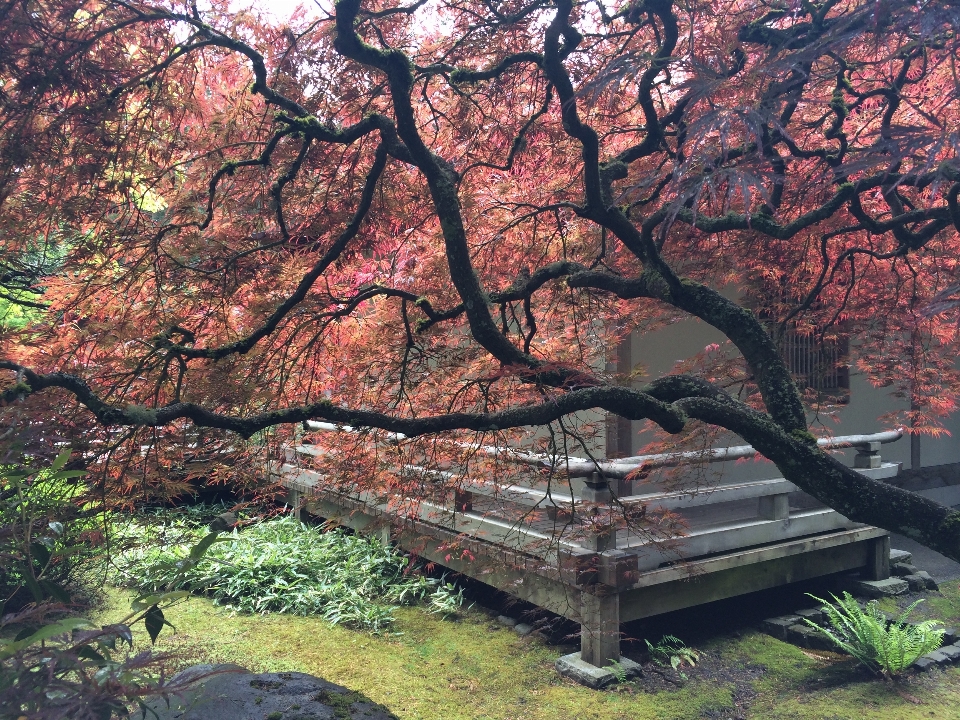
476	669
887	647
672	652
282	565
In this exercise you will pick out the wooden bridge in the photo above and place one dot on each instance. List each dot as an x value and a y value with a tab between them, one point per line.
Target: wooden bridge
556	550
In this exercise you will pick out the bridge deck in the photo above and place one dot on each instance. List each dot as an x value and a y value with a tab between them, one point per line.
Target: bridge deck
560	551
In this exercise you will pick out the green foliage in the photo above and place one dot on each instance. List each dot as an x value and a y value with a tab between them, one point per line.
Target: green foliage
54	667
885	647
672	651
16	316
72	669
44	532
619	671
281	565
445	600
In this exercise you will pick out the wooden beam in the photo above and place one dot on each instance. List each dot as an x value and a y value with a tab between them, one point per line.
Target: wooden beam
726	538
713	495
703	585
753	556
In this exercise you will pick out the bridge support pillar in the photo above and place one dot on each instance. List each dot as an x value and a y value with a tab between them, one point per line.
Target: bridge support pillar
599	662
599	627
878	559
295	501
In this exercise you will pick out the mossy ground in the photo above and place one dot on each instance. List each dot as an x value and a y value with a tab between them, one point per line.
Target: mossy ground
477	669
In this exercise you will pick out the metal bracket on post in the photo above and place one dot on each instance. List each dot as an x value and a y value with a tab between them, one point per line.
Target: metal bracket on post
868	455
578	566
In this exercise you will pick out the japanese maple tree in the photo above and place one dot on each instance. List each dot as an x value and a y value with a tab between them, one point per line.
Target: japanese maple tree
439	219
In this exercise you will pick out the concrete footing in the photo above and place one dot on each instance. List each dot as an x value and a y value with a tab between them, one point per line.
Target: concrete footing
575	668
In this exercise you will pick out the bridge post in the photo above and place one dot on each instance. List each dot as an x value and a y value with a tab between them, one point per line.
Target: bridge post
599	626
295	501
878	559
382	533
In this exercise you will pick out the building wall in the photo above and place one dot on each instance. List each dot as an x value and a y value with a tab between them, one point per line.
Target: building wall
656	354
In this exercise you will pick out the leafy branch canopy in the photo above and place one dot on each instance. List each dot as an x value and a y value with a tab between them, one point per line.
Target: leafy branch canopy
444	216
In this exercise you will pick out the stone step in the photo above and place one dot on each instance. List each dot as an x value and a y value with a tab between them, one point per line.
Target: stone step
900	556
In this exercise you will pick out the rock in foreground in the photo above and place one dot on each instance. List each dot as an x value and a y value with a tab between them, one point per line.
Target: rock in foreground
238	694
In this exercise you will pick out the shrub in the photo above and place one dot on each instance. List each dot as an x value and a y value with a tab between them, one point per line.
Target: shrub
887	648
282	565
70	669
54	667
45	532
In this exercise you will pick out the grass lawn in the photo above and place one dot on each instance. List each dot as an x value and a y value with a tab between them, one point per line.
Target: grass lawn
475	668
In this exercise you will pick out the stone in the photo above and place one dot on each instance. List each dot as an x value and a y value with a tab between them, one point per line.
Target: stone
237	694
808	637
881	588
813	615
522	629
950	636
505	620
938	657
777	626
930	582
916	583
903	569
951	651
571	666
923	664
900	556
205	671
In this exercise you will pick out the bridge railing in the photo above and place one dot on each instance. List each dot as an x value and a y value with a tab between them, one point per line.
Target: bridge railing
585	517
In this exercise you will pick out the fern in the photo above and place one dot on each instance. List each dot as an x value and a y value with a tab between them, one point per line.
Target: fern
885	648
673	652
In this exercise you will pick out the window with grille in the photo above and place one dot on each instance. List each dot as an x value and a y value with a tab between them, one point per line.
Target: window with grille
818	364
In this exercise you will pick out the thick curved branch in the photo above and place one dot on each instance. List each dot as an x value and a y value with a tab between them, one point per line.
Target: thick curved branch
663	9
777	388
849	492
443	181
461	76
632	404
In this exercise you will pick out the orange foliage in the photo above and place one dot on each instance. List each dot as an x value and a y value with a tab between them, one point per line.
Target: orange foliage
370	214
